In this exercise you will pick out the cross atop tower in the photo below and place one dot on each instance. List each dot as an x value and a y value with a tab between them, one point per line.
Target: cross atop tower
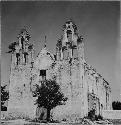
45	43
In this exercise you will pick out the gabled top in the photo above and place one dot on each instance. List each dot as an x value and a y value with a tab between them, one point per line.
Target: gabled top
70	35
24	34
23	40
70	26
44	52
44	59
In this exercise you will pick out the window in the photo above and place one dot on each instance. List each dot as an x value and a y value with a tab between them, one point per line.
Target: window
69	35
22	42
18	58
42	72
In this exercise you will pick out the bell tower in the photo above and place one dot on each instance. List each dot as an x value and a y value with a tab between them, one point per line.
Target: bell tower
68	39
23	53
70	46
20	94
24	46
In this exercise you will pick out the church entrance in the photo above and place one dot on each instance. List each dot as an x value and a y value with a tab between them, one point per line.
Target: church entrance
41	113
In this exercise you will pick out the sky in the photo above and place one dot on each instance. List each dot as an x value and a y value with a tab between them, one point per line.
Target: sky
98	22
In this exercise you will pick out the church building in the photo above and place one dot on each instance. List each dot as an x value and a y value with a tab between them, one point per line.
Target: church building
84	87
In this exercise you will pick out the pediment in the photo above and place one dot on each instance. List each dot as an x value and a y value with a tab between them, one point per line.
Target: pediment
44	60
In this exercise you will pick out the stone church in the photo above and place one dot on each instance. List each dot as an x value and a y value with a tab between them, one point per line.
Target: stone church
79	82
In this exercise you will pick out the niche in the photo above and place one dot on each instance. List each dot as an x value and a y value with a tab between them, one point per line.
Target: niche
43	74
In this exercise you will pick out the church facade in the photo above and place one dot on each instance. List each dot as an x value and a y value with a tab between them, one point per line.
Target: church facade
85	89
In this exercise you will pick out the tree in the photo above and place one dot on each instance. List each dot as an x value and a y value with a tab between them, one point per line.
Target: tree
49	96
4	97
116	105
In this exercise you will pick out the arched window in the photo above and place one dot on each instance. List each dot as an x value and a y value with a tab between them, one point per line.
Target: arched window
26	57
75	53
65	54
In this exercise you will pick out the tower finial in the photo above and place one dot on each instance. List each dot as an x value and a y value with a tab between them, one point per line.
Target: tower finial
45	42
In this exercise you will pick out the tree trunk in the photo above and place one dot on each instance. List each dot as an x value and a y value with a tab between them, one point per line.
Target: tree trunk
48	114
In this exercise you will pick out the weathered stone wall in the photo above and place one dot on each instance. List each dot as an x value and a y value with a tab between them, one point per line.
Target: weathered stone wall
98	87
20	95
73	87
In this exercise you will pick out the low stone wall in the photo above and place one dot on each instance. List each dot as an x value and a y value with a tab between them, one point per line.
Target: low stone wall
17	113
111	114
